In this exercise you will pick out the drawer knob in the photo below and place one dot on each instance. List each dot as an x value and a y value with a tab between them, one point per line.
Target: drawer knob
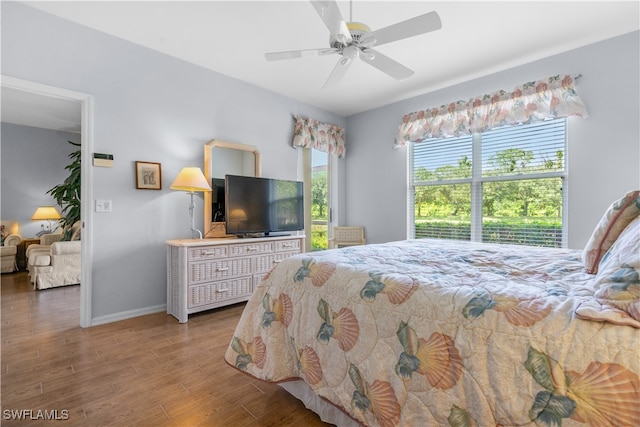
222	269
252	249
222	290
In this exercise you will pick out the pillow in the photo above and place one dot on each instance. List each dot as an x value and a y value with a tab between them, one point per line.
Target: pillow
76	229
614	220
617	283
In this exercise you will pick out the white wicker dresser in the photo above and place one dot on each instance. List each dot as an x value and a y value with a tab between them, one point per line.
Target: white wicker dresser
210	273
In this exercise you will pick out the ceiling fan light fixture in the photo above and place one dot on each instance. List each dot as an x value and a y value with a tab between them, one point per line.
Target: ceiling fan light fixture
368	55
350	52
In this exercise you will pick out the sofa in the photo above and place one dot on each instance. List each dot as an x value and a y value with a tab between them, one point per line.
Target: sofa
45	244
9	251
54	262
59	266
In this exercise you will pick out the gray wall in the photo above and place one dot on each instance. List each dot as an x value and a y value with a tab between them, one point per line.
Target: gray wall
33	161
148	107
603	153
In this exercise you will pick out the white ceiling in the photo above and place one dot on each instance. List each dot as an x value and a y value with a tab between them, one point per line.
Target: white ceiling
231	37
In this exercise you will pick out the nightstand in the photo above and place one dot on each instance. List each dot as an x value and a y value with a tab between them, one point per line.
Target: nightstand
21	257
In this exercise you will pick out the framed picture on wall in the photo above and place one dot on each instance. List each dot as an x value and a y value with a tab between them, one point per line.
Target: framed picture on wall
148	176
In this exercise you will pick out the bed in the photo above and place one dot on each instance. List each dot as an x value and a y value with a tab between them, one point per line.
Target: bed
445	333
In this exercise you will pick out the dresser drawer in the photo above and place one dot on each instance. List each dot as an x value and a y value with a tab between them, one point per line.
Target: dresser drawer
251	248
207	271
265	263
209	252
287	245
220	291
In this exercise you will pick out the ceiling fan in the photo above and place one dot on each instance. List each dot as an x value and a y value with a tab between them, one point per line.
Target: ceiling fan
353	40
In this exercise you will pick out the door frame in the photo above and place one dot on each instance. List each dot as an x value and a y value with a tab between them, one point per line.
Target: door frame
86	189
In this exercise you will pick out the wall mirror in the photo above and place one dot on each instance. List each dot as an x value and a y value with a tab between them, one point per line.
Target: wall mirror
224	158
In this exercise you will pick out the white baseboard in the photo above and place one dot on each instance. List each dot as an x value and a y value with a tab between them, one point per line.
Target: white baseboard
123	315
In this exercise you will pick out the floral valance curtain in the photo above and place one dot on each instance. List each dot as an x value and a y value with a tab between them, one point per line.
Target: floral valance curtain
554	97
325	137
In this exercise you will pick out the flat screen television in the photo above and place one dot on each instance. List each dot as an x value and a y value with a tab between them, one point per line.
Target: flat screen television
257	207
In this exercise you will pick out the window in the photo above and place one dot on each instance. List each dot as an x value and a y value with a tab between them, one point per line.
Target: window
503	185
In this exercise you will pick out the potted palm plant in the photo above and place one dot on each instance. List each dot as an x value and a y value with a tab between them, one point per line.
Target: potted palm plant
67	194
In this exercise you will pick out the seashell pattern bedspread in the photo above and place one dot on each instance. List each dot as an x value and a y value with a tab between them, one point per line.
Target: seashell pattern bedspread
442	333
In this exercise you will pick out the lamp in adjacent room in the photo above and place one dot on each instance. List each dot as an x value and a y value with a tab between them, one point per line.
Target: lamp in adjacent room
191	179
46	213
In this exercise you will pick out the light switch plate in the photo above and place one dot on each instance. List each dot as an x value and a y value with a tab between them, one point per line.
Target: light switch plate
103	205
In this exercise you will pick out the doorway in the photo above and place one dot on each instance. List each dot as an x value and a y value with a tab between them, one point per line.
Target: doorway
86	125
320	206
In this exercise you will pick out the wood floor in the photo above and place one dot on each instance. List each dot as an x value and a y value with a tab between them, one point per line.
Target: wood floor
147	371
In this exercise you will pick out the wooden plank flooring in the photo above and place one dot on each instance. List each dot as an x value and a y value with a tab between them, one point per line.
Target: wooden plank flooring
147	371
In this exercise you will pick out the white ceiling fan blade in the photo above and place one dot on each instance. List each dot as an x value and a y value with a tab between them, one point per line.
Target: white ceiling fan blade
402	30
337	73
386	64
292	54
332	18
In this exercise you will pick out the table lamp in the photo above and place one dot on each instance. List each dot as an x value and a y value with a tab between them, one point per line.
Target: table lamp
191	179
46	213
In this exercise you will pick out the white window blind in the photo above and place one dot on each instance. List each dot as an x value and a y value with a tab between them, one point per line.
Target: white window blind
504	185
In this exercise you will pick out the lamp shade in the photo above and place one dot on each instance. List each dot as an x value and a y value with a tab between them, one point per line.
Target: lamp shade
46	213
190	179
238	215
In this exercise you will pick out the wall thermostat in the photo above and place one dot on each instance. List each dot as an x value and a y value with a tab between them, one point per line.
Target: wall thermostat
103	160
